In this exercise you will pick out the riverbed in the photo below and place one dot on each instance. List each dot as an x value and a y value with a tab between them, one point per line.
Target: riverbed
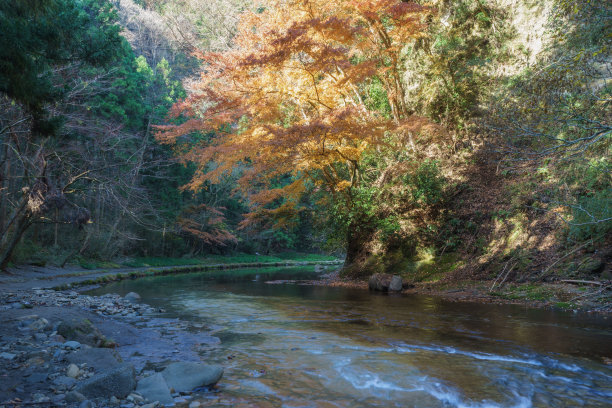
286	344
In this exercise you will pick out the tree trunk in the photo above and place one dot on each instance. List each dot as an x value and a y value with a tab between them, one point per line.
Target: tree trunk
20	227
357	240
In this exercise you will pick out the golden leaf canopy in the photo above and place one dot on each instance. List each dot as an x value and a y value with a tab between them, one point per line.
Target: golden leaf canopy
286	98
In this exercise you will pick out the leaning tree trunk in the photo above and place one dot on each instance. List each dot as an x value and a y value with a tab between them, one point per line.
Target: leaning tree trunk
14	236
357	240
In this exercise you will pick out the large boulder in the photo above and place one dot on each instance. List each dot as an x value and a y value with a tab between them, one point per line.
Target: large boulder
118	382
100	359
154	388
384	282
396	284
186	376
82	331
379	282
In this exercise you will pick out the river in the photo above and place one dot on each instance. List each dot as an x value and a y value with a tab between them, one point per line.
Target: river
284	344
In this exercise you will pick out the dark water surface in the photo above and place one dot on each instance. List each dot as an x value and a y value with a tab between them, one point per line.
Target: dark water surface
291	345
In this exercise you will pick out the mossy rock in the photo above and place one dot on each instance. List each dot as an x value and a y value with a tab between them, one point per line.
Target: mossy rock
82	331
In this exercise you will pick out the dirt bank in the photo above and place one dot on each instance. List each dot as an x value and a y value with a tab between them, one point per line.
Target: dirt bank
578	296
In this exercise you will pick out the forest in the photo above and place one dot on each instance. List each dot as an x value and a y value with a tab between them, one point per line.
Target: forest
439	140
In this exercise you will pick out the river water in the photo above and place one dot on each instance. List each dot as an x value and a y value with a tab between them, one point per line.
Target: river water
292	345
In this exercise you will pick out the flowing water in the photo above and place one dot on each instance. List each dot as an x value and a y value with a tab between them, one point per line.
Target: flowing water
292	345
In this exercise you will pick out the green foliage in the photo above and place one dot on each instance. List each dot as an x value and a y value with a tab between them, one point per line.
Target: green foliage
228	259
591	216
375	97
426	183
449	69
39	36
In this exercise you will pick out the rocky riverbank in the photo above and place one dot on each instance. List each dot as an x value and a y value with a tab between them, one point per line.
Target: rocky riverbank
64	349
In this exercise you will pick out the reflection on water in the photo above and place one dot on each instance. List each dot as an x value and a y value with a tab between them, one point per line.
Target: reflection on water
294	345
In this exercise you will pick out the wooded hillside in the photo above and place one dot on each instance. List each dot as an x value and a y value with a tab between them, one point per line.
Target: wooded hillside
439	140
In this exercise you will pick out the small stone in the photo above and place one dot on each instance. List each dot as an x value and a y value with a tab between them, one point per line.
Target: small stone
73	371
64	382
40	337
72	345
152	405
135	398
39	324
194	404
38	398
114	401
7	356
86	404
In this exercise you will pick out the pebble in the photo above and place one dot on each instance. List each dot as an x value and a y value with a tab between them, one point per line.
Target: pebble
40	398
72	371
72	345
133	397
39	324
7	356
194	404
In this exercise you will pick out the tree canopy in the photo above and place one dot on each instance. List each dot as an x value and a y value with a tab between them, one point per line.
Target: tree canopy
287	99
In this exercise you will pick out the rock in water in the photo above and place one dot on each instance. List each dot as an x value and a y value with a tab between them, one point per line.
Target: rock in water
119	382
186	376
396	284
154	388
379	282
132	297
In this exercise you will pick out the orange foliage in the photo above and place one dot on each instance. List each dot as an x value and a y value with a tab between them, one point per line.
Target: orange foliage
285	98
206	224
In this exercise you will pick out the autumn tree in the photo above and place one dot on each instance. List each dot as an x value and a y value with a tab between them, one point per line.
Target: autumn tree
288	98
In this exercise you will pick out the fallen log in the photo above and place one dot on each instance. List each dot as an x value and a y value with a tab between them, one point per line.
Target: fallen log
577	282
